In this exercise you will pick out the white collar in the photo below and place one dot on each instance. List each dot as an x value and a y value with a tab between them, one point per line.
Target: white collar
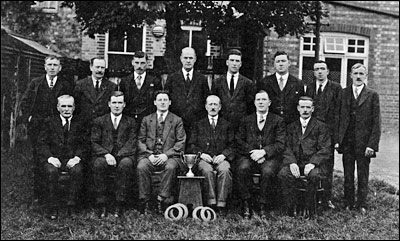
163	113
260	117
54	79
94	81
359	88
187	72
135	75
215	118
318	83
235	76
285	76
114	116
304	122
63	119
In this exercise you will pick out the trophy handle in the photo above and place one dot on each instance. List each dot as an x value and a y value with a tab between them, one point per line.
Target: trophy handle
197	159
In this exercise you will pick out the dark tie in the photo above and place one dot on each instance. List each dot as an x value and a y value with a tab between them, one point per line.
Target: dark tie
319	92
187	78
261	123
232	85
97	86
66	129
160	119
51	83
213	123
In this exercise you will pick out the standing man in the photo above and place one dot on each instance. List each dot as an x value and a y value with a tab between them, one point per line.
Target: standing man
161	141
213	137
114	143
93	93
308	149
188	90
139	88
235	91
325	94
358	136
62	147
261	141
283	88
38	103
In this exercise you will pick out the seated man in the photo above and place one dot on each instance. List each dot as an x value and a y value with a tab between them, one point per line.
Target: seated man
307	153
62	148
261	141
161	140
213	137
114	143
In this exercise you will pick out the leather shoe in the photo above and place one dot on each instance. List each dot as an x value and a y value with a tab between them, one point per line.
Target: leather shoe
119	211
363	211
159	207
145	208
246	209
263	211
102	211
53	213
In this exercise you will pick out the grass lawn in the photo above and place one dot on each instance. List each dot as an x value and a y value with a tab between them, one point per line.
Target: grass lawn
22	220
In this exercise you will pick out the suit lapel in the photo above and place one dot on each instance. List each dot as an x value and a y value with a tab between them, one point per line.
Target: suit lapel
363	95
239	85
289	85
224	86
267	125
103	88
167	126
275	85
90	93
59	128
122	127
309	127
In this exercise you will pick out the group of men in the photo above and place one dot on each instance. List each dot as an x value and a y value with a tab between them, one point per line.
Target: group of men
279	127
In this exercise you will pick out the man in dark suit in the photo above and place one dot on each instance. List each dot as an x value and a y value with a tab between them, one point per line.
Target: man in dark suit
139	88
161	140
358	134
114	143
283	88
325	94
38	103
188	90
308	149
93	93
261	141
214	138
235	91
62	147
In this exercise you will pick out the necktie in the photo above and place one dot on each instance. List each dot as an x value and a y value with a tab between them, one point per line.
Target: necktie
66	129
51	83
303	127
115	123
281	83
187	78
139	82
356	93
213	123
97	86
160	119
261	123
319	92
232	85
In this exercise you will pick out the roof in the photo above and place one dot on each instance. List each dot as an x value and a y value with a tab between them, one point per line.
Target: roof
35	45
379	7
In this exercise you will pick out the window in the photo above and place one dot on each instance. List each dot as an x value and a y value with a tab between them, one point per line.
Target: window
356	46
47	6
334	45
309	44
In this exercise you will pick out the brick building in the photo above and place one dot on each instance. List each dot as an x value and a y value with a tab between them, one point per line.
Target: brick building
358	31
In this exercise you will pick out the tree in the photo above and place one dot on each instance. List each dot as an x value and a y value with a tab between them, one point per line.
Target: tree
249	20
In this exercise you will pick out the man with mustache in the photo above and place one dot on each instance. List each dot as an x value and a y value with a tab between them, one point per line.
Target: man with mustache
358	135
139	88
307	151
39	103
62	147
114	143
214	138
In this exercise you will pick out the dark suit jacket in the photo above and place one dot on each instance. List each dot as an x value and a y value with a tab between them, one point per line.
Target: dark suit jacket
88	105
102	136
315	144
174	136
139	103
187	101
51	140
213	142
39	101
240	104
326	106
368	119
272	138
283	103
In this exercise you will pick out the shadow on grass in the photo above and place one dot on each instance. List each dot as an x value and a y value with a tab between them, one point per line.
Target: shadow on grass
22	220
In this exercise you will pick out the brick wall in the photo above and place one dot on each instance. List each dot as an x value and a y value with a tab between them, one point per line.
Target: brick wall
93	47
383	58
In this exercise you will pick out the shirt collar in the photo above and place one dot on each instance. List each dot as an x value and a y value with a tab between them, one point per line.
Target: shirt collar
164	114
235	76
94	81
305	122
186	72
48	80
359	88
285	76
260	117
63	119
318	83
114	116
215	118
135	75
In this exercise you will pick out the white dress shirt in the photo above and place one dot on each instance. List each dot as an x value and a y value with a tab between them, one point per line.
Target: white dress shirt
94	82
304	123
215	119
318	83
285	78
65	121
49	81
142	77
113	118
185	74
164	115
235	79
359	89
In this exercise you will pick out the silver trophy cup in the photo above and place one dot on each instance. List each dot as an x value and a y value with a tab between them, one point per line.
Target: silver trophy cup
189	160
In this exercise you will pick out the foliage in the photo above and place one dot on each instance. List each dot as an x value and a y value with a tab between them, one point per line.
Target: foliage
21	220
22	18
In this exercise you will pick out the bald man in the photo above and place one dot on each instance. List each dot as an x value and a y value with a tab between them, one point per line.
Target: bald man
188	90
214	137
